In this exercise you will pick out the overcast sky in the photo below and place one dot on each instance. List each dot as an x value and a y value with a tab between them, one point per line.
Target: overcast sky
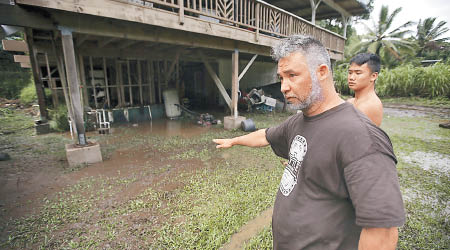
412	10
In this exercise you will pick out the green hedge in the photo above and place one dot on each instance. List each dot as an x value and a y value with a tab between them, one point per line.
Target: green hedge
403	81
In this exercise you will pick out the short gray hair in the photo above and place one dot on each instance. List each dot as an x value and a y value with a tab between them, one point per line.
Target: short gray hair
312	49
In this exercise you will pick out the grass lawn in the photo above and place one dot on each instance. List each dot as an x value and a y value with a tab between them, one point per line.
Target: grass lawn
175	192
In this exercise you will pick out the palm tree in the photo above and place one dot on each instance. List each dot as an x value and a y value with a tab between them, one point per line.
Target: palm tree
428	34
382	37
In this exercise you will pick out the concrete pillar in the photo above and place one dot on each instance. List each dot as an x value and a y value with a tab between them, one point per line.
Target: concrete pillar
73	82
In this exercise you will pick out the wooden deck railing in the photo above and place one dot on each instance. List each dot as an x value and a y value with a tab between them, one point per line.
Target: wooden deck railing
254	15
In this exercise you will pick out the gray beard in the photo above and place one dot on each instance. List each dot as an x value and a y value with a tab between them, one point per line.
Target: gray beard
314	96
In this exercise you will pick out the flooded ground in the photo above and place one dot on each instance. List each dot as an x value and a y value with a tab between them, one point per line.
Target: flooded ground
162	184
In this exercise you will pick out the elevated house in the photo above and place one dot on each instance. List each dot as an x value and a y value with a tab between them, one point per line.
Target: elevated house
126	53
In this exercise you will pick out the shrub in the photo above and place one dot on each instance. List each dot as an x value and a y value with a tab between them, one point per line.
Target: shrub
404	81
28	94
60	118
340	79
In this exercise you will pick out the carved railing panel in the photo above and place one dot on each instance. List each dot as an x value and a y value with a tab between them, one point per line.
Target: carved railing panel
253	15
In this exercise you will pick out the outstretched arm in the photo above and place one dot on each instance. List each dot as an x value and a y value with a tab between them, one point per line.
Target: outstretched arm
254	139
378	239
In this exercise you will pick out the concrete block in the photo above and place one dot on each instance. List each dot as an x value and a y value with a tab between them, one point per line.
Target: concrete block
229	122
42	128
78	155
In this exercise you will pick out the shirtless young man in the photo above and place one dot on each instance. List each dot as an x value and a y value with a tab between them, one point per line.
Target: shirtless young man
362	74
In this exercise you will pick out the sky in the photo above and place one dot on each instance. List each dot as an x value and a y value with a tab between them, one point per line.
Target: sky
412	10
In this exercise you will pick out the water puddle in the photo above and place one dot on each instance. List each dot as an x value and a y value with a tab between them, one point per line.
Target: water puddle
429	161
415	111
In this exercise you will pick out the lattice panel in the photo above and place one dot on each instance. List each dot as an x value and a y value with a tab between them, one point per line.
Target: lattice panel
225	8
274	22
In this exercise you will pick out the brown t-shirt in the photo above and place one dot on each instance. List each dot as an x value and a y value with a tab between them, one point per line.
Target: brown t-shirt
341	177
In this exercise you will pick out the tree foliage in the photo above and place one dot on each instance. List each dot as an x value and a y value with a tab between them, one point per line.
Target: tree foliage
382	38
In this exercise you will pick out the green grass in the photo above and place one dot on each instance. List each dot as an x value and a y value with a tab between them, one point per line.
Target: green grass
190	195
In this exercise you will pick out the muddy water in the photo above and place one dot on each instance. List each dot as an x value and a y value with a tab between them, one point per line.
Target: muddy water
401	110
26	181
163	127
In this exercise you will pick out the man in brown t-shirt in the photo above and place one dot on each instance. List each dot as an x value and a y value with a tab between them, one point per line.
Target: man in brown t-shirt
340	188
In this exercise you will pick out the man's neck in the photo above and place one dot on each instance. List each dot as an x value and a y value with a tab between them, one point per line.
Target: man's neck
326	103
362	93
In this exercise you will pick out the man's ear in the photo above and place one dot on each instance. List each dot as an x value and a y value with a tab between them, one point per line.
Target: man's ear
374	76
322	72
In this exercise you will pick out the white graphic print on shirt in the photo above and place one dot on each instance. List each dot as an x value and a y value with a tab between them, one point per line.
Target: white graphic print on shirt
296	153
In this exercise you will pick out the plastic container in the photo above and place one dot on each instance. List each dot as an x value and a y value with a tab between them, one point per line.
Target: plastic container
170	97
248	125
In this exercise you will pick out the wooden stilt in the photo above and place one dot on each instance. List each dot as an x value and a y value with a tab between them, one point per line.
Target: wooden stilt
91	67
119	95
74	85
37	79
158	72
235	82
83	81
62	77
139	71
129	82
51	84
105	73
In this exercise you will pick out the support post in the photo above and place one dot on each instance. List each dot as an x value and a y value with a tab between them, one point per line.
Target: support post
139	71
62	77
51	84
313	10
257	21
217	81
74	85
130	90
181	11
234	82
91	68
247	67
105	73
37	79
83	84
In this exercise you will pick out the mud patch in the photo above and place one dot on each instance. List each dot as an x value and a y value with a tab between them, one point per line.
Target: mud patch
249	230
429	161
415	111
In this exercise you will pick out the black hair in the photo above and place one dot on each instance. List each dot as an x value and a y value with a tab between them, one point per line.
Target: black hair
372	60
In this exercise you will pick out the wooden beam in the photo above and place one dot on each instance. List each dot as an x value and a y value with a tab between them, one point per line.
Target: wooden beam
91	69
247	67
172	67
74	83
158	72
21	59
51	83
83	81
81	39
25	65
234	82
337	7
216	79
15	45
130	89
105	73
37	78
139	71
106	41
126	44
62	76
